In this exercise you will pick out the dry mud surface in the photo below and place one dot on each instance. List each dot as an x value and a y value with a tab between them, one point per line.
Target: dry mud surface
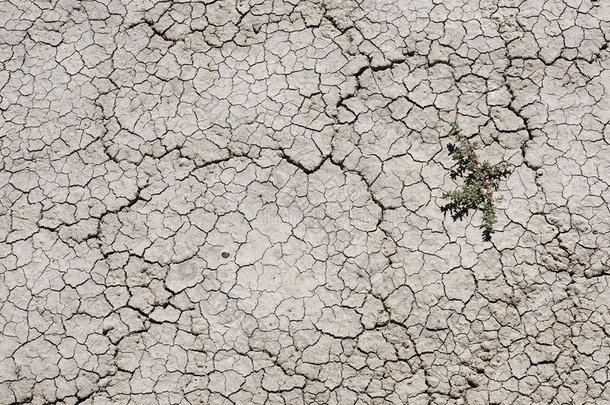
231	202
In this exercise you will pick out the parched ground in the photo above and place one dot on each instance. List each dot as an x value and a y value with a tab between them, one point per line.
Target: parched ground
232	202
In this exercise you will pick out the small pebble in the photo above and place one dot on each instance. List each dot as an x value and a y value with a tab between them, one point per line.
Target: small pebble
225	254
257	27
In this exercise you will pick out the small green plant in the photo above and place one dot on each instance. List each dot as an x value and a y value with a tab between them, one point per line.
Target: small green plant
481	181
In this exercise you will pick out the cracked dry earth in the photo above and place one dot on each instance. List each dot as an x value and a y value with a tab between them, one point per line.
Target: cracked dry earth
232	202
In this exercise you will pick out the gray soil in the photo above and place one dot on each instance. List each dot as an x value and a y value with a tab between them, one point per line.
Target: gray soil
232	202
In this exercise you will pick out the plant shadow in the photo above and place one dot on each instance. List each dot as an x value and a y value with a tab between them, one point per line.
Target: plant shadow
461	164
458	213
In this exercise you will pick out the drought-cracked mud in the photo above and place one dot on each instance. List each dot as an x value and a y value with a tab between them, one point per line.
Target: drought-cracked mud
232	202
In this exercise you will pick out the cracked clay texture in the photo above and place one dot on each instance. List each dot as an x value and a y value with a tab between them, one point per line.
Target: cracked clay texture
239	202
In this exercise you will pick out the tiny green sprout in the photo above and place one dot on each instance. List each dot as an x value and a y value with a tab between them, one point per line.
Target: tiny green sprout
480	182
